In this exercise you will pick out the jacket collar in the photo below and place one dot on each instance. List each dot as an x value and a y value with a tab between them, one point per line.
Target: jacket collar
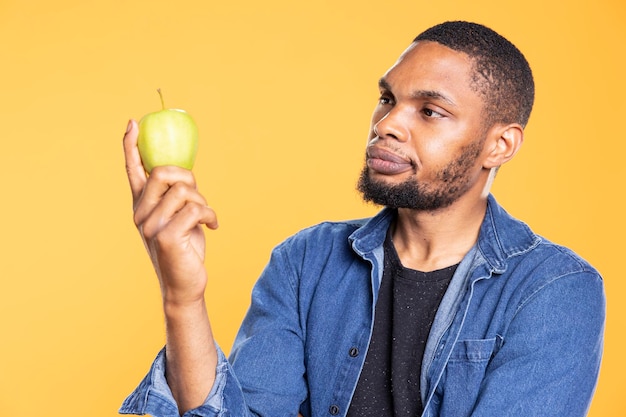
371	235
502	236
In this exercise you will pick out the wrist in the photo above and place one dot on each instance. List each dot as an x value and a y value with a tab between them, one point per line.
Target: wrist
177	308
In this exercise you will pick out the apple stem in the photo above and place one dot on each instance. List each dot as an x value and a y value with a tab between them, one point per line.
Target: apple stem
161	95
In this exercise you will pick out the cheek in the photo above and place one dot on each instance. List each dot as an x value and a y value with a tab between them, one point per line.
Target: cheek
439	151
449	140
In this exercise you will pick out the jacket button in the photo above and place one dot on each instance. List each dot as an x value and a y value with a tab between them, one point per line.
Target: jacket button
354	352
334	410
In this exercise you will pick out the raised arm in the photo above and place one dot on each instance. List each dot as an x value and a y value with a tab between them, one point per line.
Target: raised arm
170	213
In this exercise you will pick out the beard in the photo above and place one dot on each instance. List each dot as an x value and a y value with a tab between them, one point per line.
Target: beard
450	183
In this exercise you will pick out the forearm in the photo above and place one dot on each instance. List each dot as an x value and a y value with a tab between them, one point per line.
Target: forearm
191	355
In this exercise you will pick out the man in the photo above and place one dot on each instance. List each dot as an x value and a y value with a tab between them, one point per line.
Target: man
441	305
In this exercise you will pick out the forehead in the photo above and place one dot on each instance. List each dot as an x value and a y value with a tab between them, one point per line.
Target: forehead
430	66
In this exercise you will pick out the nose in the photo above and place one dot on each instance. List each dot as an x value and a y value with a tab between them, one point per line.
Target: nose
393	125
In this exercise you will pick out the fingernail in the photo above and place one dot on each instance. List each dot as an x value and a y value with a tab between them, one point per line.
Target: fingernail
130	126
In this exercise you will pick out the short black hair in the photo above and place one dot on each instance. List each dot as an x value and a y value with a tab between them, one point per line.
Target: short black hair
501	73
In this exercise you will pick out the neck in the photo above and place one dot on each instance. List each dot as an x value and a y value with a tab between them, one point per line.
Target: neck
433	240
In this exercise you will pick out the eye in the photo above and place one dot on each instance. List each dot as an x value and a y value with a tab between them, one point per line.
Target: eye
385	100
432	113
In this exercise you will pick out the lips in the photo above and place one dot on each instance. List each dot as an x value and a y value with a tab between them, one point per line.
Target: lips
387	162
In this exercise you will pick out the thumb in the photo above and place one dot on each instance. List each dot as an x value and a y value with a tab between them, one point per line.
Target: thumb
134	168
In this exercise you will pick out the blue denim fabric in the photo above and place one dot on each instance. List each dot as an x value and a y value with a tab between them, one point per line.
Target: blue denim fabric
518	333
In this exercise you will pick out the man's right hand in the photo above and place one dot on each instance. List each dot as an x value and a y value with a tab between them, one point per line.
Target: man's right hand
169	213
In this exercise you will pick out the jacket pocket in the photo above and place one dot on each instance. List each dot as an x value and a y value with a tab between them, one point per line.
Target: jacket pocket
473	350
458	389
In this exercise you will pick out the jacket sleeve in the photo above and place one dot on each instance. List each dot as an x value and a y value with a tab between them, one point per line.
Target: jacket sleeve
268	353
267	357
154	397
549	359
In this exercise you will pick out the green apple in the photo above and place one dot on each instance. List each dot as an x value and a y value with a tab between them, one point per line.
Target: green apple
167	137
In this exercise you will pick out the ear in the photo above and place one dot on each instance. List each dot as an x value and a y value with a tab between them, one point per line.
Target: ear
504	142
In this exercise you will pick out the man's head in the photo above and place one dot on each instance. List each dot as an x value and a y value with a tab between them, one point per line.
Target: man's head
501	73
451	111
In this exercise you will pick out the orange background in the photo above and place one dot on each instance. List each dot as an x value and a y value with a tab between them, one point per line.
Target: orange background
282	92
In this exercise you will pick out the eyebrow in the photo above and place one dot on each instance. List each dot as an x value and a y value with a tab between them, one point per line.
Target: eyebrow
419	94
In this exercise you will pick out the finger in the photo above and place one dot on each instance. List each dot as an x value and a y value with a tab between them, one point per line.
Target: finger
192	215
182	225
176	197
152	219
134	168
158	183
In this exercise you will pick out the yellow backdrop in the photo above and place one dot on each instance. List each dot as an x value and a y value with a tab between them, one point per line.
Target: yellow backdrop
282	92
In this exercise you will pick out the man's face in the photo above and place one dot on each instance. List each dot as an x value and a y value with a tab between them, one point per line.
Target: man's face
427	133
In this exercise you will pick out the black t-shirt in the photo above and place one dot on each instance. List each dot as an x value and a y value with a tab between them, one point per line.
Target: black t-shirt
389	384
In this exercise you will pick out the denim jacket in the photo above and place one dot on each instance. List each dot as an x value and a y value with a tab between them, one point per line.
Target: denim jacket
519	331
